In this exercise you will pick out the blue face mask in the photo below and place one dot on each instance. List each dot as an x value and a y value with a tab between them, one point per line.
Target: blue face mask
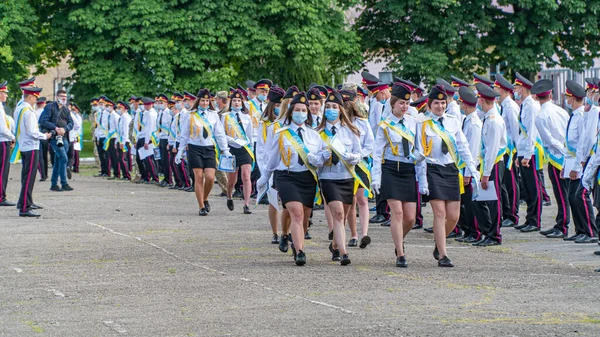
276	111
299	117
588	101
236	109
456	96
517	95
332	114
262	97
201	108
463	112
479	107
382	101
569	106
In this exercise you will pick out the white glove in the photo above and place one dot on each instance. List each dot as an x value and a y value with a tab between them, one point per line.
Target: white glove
350	158
232	143
424	190
262	181
375	187
226	153
313	159
326	154
178	157
419	157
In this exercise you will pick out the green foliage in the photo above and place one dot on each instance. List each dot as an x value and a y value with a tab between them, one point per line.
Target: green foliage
427	39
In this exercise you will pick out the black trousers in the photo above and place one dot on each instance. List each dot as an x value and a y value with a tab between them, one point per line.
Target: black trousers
382	207
113	157
467	221
43	160
140	164
150	172
489	213
545	196
581	206
124	161
533	192
102	156
165	161
5	151
510	193
29	161
560	187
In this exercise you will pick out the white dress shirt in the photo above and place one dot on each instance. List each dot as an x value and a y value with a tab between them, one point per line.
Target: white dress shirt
509	110
246	125
312	141
330	171
148	125
102	121
123	128
589	134
163	122
375	113
263	142
575	128
530	110
113	124
29	132
256	119
551	125
175	128
77	124
367	139
197	138
471	127
493	136
453	109
6	135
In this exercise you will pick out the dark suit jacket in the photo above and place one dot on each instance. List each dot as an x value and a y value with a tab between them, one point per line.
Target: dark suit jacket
51	115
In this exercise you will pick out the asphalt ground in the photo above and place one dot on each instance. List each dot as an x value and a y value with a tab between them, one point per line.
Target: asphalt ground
120	259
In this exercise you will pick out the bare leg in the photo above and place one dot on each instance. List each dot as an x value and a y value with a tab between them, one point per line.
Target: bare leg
231	181
209	181
273	218
410	216
285	222
396	224
246	170
363	211
339	233
351	216
297	215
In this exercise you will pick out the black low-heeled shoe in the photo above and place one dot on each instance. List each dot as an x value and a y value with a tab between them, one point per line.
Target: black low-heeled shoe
247	210
230	204
203	212
283	244
335	255
301	259
330	237
307	236
353	243
436	253
445	262
275	239
365	241
207	206
401	262
345	260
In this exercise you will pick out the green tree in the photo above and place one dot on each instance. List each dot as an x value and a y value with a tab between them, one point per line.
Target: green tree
423	40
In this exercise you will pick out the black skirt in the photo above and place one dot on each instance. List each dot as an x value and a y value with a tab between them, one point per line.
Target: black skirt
398	181
296	186
443	182
201	156
242	157
338	190
275	174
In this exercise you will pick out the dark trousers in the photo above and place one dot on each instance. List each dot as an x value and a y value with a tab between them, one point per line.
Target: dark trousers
581	206
43	160
102	156
382	207
5	151
113	157
29	161
51	153
560	187
148	163
70	155
545	196
124	159
510	193
467	221
174	168
140	164
533	188
165	161
489	213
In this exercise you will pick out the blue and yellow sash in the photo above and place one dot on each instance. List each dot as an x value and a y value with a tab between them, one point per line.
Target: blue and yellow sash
233	129
198	123
16	154
400	129
538	150
255	113
511	149
99	122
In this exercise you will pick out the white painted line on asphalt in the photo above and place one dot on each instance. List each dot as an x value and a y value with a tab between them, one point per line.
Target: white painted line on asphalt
115	326
56	293
447	246
18	270
110	230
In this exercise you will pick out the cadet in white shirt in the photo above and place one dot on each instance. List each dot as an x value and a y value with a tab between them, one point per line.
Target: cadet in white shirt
146	128
100	133
110	143
74	137
452	107
529	154
509	110
162	133
445	146
44	146
395	167
420	105
336	176
361	198
203	136
239	131
27	144
551	125
123	142
470	211
493	148
296	150
7	142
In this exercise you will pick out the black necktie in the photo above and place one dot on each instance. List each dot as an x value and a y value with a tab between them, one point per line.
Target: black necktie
300	161
501	111
108	123
334	158
405	147
520	111
444	145
568	124
160	122
239	120
204	132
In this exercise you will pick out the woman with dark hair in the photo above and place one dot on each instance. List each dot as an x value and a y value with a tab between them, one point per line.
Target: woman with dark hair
203	136
337	176
266	127
238	129
395	168
296	150
447	150
362	169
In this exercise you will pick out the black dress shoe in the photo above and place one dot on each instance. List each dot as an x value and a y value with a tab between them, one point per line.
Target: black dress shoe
471	239
174	187
378	218
283	244
574	237
335	255
365	241
112	178
43	179
55	188
530	228
66	187
353	243
481	239
489	242
345	260
207	206
203	212
247	210
189	189
331	247
230	204
307	236
236	194
417	226
301	258
401	262
586	239
519	227
330	236
556	234
436	253
387	223
548	231
445	262
428	229
597	270
453	234
29	214
597	252
547	203
34	206
275	239
6	203
460	238
163	184
508	223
